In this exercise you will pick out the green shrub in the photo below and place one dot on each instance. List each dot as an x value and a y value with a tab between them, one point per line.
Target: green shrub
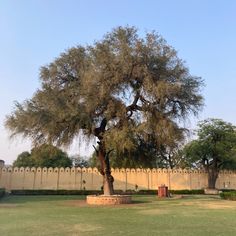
228	195
2	192
187	191
53	192
91	192
140	192
155	192
227	190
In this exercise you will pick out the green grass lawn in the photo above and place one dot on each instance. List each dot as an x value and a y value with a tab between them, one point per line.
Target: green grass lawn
69	215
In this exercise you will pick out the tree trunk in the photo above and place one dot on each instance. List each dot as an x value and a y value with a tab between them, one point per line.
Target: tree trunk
212	177
108	185
105	170
103	158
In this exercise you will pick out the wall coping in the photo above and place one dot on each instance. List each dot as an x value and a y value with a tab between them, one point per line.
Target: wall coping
114	170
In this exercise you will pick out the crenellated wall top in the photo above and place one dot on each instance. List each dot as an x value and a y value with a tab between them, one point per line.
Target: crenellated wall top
114	170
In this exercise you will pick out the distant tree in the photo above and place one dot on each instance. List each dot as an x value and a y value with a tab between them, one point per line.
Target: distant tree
24	160
43	156
215	148
169	152
115	89
50	156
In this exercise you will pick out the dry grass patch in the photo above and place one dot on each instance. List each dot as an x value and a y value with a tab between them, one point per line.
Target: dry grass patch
74	203
159	211
213	204
83	203
79	228
7	205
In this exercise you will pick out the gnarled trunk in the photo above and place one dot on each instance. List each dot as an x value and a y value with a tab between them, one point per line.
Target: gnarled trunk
103	158
108	185
212	177
105	170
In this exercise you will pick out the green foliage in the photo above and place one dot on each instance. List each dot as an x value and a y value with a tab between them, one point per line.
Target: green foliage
146	154
53	192
139	85
2	192
187	191
50	156
91	192
215	146
138	158
43	156
228	195
227	190
24	160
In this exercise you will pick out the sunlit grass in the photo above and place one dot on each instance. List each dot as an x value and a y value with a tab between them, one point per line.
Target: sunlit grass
69	215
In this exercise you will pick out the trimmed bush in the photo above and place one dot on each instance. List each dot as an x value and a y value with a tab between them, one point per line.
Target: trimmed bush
227	190
228	195
187	191
2	192
53	192
140	192
94	192
155	192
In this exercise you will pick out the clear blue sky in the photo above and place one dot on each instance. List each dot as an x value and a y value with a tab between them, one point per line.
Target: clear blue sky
33	33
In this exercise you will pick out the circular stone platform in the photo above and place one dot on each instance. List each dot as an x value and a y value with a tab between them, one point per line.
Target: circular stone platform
108	200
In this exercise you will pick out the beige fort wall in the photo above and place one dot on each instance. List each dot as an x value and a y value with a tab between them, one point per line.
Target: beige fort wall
125	179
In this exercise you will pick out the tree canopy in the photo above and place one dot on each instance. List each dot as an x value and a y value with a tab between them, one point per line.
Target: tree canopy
23	160
215	148
43	156
147	154
138	84
116	89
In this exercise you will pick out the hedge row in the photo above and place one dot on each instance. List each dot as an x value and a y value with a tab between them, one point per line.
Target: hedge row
227	190
228	195
91	192
2	192
187	191
53	192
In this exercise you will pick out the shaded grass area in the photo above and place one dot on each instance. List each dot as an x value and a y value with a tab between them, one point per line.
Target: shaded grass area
69	215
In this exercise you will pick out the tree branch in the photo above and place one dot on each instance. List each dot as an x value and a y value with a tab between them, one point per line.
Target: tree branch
98	132
95	149
134	106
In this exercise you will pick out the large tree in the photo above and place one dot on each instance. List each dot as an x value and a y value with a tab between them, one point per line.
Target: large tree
215	148
115	89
